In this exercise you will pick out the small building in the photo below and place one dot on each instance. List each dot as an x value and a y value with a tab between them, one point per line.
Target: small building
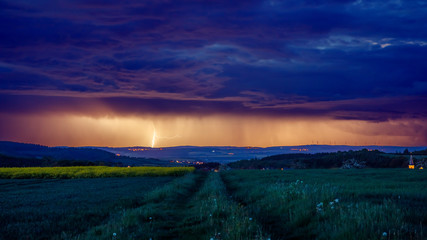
411	163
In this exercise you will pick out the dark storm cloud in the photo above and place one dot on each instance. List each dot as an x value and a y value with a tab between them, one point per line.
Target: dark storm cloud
356	109
309	58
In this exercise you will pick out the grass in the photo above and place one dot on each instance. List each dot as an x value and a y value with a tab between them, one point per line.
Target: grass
235	205
45	208
335	204
214	215
91	172
195	207
157	218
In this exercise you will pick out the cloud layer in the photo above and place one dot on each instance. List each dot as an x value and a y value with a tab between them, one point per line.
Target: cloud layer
344	60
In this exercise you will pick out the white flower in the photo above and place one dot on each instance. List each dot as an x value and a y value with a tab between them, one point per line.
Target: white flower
384	234
331	203
211	239
114	234
250	219
320	204
302	182
336	200
150	218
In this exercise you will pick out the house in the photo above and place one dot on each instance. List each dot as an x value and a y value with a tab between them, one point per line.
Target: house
411	163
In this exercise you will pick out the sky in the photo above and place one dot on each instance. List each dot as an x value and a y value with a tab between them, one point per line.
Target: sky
213	73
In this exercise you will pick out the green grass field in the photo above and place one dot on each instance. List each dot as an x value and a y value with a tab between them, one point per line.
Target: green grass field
92	172
238	204
47	208
335	204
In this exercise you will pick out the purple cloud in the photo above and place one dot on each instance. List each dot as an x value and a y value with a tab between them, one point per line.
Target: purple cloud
341	59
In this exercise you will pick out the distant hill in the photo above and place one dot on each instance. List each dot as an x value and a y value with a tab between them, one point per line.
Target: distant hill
313	156
58	153
227	154
23	154
421	152
361	158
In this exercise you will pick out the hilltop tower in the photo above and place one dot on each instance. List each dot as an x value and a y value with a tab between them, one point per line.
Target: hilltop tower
411	163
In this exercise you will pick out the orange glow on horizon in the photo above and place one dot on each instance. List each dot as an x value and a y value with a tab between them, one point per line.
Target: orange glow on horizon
213	130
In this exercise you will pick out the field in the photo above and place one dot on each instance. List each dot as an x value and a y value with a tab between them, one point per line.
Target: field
335	204
91	172
237	204
45	208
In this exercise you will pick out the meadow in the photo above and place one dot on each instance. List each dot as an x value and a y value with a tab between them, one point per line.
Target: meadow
335	204
91	172
47	208
235	204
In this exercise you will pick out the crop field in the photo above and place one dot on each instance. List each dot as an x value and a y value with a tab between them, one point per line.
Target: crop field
47	208
237	204
92	172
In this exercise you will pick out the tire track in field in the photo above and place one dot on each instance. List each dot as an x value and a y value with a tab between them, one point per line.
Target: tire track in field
213	215
269	228
171	228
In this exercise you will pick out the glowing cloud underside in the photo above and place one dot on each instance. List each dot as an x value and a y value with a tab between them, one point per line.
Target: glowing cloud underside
217	130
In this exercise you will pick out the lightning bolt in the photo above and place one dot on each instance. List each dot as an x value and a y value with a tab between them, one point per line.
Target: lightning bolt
153	141
176	136
155	137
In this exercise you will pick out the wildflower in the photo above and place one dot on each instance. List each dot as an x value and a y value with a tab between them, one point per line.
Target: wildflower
114	234
332	207
150	218
384	234
302	182
250	219
211	239
319	207
210	215
331	203
336	200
